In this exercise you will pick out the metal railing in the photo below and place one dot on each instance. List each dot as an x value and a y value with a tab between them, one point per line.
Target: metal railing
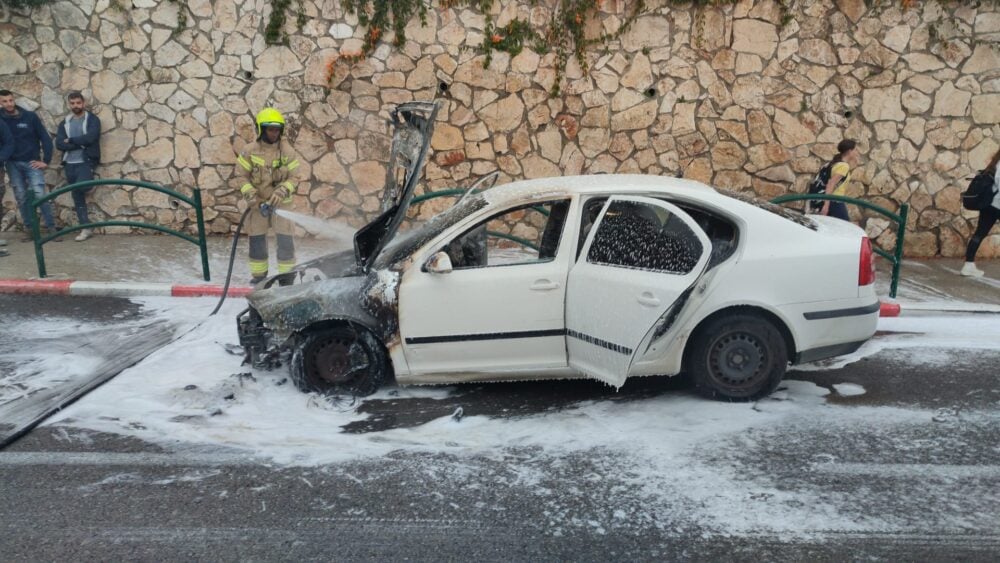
194	201
433	195
896	256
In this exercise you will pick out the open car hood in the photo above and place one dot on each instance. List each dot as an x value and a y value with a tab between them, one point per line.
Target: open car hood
413	126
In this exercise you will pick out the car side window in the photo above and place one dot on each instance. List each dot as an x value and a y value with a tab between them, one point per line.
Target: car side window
522	235
647	237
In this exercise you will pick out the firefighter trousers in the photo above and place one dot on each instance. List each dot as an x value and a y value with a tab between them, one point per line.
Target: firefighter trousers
259	255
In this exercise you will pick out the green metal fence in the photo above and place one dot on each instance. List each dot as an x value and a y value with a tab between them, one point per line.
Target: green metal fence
194	201
896	256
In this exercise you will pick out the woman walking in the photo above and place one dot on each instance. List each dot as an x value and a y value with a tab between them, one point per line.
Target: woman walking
987	218
848	157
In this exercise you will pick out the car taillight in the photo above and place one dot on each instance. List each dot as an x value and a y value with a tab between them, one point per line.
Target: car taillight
866	263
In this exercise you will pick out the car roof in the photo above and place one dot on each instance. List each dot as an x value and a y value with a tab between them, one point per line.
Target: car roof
600	184
746	204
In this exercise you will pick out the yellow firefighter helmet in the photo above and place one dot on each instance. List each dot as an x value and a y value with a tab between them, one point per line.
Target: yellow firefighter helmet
269	117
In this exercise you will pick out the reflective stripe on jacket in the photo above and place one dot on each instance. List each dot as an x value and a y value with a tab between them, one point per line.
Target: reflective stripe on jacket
267	167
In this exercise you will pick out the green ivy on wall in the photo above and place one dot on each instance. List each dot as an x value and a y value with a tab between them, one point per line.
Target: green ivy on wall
274	32
24	3
182	18
380	15
565	33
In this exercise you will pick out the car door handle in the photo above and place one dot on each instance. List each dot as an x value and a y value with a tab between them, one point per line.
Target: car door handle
648	299
544	285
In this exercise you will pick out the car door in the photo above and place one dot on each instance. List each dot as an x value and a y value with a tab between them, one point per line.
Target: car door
640	256
501	307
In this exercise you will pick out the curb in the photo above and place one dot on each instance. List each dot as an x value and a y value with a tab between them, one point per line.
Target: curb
116	289
945	307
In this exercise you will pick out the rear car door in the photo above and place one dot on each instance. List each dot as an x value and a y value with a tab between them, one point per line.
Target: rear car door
639	258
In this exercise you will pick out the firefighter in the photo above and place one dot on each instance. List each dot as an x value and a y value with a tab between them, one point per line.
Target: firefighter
268	168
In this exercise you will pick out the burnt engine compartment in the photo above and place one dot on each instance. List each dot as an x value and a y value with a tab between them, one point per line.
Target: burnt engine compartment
255	340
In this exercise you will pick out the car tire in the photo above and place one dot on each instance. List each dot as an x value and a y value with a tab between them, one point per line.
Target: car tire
739	357
338	360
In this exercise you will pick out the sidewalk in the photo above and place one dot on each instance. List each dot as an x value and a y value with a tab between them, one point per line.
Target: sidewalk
130	265
133	265
935	285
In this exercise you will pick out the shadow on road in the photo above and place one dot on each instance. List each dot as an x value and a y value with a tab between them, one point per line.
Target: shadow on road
506	400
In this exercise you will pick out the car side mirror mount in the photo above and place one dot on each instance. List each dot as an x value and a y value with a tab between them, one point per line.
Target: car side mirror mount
440	263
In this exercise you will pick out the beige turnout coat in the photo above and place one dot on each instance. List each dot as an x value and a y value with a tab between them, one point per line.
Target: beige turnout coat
267	167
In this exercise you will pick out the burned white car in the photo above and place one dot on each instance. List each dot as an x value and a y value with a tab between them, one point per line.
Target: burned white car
604	276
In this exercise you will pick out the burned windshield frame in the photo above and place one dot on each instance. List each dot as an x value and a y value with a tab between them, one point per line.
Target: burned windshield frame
471	249
406	243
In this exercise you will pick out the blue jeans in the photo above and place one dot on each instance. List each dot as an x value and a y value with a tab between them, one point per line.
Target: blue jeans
80	172
22	177
838	209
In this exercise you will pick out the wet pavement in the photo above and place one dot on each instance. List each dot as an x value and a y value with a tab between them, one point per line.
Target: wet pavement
917	489
504	400
906	470
40	364
17	310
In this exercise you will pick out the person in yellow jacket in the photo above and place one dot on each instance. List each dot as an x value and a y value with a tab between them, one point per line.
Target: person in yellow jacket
268	168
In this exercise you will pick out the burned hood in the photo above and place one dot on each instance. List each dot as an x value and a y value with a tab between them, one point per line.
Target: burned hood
370	300
336	265
412	127
288	309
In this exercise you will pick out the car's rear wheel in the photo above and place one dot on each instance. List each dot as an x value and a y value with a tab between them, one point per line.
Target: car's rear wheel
339	360
739	357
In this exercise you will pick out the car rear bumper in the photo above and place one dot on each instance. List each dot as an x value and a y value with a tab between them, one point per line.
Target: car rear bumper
841	312
824	352
832	328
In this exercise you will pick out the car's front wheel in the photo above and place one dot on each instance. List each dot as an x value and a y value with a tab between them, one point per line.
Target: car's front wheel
338	360
740	357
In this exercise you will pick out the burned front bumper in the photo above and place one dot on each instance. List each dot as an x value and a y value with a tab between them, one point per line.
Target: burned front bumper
259	349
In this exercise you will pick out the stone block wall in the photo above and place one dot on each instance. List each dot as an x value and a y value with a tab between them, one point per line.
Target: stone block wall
725	95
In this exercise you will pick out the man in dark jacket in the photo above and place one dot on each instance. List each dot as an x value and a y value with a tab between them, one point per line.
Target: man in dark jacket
79	137
6	149
32	155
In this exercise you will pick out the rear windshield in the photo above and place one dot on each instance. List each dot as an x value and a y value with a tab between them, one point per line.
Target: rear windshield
790	214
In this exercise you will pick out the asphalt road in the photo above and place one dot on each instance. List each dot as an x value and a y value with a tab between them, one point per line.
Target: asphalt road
917	489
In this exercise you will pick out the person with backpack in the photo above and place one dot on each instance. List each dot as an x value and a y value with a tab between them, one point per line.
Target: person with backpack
832	179
977	197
